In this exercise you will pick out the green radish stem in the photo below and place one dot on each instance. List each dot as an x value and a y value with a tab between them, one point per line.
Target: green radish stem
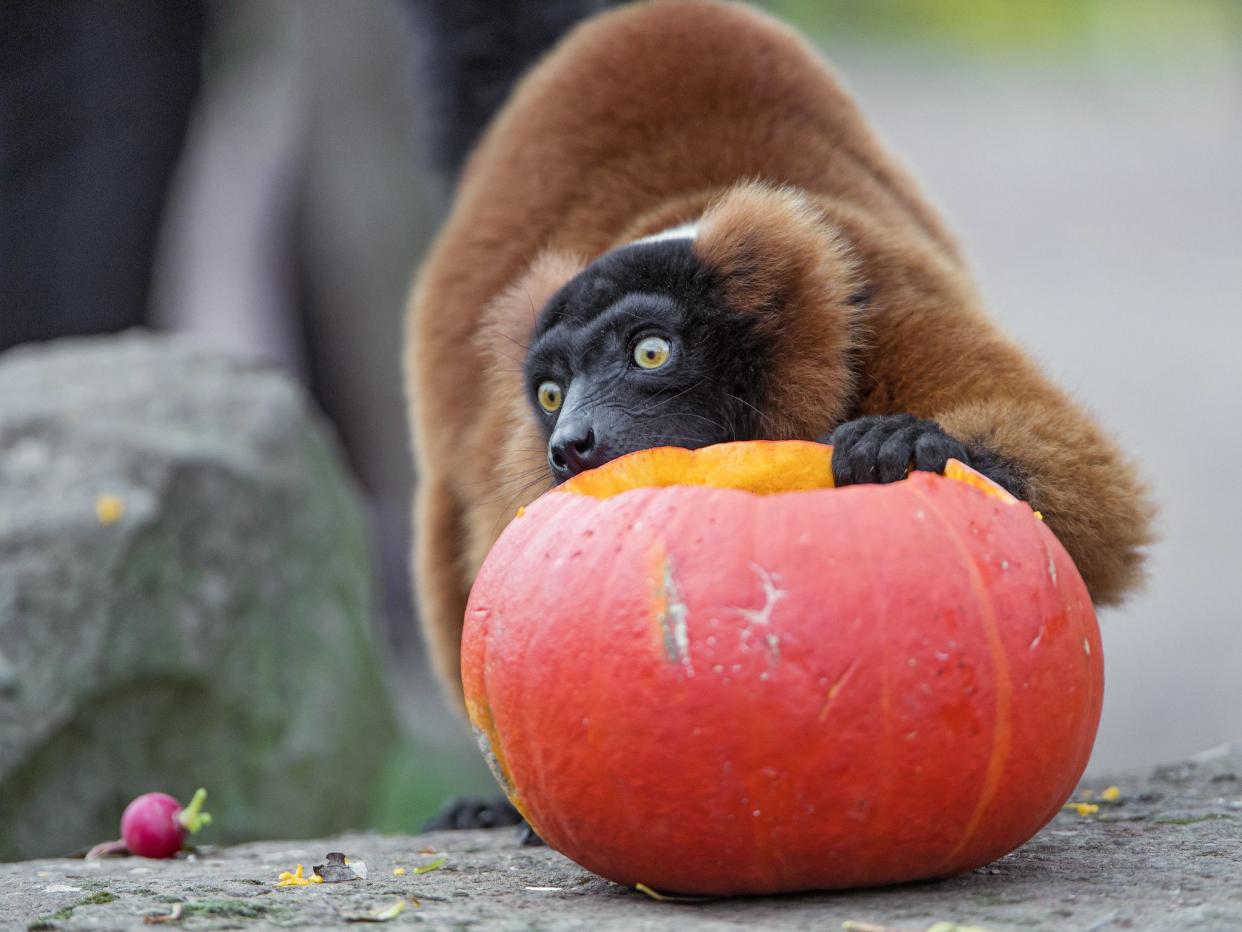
192	817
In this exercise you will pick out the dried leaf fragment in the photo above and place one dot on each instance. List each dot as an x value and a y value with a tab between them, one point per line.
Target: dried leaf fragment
156	918
340	868
669	898
385	915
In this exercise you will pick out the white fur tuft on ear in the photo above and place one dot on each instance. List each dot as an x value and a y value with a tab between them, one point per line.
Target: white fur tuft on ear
684	231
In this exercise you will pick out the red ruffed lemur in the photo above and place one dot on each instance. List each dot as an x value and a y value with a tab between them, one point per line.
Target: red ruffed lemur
679	230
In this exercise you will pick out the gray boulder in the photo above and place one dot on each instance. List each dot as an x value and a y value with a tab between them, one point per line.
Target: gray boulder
185	599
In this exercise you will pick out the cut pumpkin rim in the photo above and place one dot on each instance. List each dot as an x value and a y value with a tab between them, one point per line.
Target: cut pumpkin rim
757	467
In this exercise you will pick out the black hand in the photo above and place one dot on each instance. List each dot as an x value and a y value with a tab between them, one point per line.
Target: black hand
465	812
886	447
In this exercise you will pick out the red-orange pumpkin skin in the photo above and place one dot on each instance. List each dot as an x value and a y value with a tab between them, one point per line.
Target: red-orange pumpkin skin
713	692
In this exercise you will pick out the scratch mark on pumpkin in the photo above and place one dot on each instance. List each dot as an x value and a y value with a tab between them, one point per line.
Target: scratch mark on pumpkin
763	615
493	760
774	649
672	613
835	689
1052	569
484	728
771	595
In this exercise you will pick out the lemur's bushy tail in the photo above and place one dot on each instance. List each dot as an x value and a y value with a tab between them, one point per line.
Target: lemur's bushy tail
470	54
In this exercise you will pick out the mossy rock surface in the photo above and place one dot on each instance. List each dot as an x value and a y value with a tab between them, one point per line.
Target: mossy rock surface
185	598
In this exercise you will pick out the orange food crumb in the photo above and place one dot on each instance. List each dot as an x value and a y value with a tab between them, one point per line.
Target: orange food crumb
1112	794
398	871
1083	809
295	879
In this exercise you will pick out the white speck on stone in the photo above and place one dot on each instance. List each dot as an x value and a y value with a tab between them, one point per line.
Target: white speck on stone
28	457
61	888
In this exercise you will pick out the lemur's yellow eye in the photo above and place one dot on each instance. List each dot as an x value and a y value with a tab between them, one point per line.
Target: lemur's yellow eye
549	396
651	352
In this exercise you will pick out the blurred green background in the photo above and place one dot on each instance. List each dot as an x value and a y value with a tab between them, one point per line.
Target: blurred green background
1026	28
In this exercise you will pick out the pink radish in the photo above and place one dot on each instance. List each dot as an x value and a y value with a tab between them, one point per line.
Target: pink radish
155	825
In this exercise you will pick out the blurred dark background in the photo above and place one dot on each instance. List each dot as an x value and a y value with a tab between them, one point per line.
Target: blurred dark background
256	173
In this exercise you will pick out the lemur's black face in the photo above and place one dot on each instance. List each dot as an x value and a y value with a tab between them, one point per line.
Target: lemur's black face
638	351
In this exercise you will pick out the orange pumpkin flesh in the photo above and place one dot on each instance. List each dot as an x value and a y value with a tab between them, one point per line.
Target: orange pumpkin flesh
712	691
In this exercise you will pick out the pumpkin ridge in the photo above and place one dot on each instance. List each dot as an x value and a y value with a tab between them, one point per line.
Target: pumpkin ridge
1002	737
878	828
1089	724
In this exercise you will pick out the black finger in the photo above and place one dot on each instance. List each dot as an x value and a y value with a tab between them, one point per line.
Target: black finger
897	453
933	450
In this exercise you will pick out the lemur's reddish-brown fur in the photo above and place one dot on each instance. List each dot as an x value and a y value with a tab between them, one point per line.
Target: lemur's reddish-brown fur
674	110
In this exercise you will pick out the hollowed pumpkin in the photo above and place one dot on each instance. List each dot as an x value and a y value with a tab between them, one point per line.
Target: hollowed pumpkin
686	684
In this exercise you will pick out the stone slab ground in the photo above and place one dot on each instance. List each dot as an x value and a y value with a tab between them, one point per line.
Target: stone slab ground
1166	855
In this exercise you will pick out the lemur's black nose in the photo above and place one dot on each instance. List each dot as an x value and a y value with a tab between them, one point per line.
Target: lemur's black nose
573	449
